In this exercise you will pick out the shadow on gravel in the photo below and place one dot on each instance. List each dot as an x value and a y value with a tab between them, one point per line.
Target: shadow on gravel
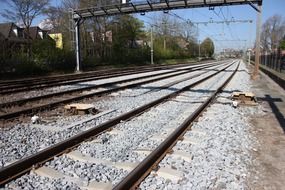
157	88
202	91
212	91
272	103
226	70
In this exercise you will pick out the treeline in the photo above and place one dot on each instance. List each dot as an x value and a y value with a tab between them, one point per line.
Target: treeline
114	40
273	34
43	58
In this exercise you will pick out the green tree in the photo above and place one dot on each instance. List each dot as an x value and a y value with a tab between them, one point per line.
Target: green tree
207	48
126	31
282	44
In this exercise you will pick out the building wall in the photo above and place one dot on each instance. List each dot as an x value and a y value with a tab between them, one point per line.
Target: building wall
58	40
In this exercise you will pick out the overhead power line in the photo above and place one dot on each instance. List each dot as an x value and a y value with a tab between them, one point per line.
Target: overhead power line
221	22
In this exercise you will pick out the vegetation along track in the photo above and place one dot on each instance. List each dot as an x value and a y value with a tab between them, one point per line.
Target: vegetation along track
22	166
28	106
7	87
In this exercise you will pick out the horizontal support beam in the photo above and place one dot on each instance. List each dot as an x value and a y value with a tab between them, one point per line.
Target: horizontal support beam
155	6
253	6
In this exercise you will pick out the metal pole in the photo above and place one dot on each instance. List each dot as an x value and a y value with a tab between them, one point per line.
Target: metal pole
199	49
249	54
78	54
265	59
257	46
151	45
198	42
164	42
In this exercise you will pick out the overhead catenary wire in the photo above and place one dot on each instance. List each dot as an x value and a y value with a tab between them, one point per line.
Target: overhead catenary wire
224	21
199	29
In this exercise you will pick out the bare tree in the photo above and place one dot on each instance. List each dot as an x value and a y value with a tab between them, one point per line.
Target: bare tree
273	31
92	29
24	11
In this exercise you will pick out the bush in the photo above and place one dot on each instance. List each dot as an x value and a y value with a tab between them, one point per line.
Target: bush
45	52
44	58
90	62
130	55
30	68
61	60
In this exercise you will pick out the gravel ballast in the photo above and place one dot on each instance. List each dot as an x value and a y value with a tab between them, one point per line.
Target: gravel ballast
50	90
222	155
118	147
26	139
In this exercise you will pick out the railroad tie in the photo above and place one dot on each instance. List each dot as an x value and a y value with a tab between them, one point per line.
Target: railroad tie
78	156
83	184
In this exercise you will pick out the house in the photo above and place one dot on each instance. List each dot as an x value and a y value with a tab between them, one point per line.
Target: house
13	37
58	38
2	47
13	33
36	33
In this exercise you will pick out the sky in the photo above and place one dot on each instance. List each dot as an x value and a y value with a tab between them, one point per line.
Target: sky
235	35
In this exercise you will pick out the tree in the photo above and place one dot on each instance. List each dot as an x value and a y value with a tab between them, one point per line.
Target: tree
207	47
282	43
127	30
272	32
174	38
24	11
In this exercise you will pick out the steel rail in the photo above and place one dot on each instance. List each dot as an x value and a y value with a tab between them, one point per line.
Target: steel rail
50	83
84	73
136	176
24	165
65	81
64	76
26	100
35	109
102	73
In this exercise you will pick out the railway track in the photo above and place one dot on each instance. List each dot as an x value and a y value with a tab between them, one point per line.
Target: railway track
79	75
18	168
136	176
33	105
41	83
88	85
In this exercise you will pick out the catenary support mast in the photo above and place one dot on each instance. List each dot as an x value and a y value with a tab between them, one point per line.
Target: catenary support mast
126	7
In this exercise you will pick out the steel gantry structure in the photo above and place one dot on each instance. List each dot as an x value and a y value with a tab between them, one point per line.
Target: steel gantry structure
144	6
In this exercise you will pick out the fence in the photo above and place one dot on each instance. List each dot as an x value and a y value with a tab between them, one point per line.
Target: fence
274	61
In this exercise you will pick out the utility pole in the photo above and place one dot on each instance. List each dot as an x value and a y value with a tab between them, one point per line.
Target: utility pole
77	48
257	46
151	46
164	32
249	54
199	42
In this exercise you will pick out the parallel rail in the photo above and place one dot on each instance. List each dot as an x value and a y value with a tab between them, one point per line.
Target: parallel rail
24	165
26	100
7	87
50	105
135	177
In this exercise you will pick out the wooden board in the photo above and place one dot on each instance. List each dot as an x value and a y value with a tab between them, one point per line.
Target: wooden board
81	107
